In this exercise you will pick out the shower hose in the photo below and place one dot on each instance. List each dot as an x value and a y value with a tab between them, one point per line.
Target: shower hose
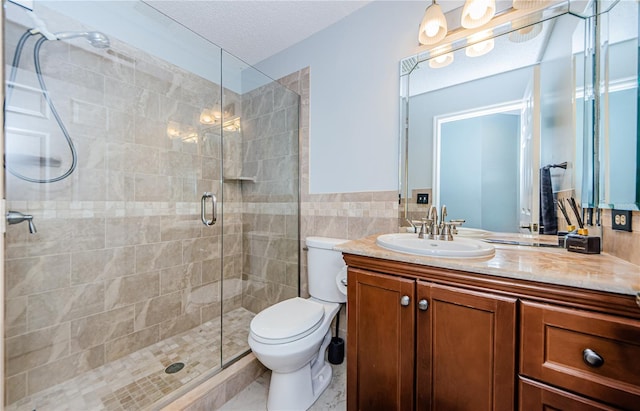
43	88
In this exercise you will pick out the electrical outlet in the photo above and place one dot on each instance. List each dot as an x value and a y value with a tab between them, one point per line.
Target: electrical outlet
423	198
621	220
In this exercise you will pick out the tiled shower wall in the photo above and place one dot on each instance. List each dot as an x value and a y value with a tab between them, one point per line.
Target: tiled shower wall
270	203
121	259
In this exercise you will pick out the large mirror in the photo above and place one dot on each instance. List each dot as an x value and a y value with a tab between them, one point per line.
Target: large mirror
618	132
503	137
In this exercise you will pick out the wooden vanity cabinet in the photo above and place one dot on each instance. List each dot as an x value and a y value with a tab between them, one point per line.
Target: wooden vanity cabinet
424	338
380	365
462	344
465	349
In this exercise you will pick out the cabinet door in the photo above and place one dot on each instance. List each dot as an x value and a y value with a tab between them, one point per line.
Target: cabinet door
465	350
380	342
535	396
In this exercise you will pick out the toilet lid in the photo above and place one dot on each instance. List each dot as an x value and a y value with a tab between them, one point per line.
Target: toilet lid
287	321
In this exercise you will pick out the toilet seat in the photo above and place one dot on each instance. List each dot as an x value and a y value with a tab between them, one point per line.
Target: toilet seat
287	321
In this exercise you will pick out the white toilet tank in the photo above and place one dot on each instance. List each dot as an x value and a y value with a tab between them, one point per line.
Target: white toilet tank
324	265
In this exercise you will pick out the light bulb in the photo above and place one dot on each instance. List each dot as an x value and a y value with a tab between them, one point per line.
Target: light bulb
477	9
431	28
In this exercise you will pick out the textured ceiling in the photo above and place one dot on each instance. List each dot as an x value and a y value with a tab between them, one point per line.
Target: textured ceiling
255	30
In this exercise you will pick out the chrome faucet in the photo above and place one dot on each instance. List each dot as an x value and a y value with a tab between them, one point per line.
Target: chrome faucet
443	213
445	230
435	228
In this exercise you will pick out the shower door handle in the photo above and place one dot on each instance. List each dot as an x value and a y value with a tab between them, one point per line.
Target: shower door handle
203	208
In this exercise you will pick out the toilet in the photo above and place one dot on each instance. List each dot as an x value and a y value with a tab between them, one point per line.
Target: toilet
291	337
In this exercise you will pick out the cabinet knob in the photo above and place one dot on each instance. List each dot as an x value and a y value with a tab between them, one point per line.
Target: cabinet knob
423	305
405	300
591	358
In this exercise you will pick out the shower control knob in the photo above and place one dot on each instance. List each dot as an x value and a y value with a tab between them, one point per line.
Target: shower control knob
423	305
405	300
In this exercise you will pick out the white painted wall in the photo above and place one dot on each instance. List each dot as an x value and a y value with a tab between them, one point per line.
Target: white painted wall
354	95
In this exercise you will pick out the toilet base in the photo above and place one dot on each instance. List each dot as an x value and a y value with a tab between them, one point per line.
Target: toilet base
298	390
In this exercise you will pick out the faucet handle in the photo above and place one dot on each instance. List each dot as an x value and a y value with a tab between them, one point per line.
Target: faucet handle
424	227
446	233
455	224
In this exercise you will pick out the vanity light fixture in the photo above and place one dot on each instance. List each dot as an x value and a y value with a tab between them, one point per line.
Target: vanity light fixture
529	30
527	4
433	27
477	47
476	13
441	60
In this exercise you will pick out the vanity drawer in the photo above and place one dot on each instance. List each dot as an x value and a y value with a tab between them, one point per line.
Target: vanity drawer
595	355
535	396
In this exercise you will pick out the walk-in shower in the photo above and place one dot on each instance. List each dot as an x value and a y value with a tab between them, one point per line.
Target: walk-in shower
119	124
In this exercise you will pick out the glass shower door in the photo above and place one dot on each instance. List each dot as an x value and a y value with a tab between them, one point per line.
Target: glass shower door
261	245
113	285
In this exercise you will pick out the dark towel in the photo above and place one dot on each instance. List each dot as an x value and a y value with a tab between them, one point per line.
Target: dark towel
548	216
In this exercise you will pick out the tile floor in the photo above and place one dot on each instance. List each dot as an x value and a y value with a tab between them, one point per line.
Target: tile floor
137	381
254	397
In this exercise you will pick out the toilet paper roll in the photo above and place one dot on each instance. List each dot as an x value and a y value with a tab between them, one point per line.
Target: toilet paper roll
342	275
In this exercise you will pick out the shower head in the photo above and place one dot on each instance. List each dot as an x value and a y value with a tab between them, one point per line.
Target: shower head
96	38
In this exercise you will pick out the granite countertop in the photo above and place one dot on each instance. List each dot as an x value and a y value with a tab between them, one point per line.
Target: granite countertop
601	272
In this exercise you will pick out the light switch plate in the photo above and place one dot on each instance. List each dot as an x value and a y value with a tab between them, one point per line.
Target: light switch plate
423	198
621	220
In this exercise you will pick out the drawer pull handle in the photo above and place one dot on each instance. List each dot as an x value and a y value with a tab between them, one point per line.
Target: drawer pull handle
405	300
591	358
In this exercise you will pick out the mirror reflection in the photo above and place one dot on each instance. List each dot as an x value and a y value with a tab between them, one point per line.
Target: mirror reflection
619	172
486	122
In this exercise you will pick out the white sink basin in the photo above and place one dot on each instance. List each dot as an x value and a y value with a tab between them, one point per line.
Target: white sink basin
458	248
473	232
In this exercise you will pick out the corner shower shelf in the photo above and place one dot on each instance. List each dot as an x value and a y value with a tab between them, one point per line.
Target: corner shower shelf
239	179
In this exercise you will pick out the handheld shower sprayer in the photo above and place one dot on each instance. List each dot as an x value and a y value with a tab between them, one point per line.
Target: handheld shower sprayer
95	38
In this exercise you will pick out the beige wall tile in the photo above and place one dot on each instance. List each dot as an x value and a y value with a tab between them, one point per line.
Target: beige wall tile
123	291
15	313
65	304
31	350
15	388
179	324
97	329
126	345
158	309
159	255
622	244
183	277
201	249
131	231
63	369
94	265
32	275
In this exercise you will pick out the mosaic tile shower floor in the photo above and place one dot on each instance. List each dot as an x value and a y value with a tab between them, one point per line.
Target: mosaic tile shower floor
138	380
